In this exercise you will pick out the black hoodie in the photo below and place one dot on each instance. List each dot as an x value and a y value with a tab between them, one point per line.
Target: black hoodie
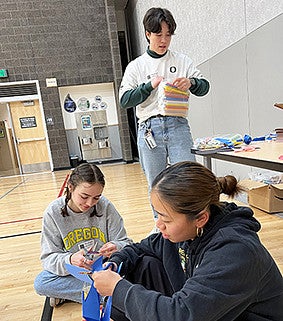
228	275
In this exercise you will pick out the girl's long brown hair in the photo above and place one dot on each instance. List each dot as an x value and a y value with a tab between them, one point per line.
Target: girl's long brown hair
84	173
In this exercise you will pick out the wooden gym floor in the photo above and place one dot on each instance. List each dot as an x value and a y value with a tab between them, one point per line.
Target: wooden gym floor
22	202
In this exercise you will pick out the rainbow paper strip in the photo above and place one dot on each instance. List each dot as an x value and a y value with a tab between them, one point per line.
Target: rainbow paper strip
173	101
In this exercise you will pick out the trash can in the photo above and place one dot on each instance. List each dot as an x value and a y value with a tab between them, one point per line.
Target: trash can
74	161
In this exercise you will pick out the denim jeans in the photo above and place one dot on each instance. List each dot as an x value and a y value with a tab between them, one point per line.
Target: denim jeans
55	286
174	142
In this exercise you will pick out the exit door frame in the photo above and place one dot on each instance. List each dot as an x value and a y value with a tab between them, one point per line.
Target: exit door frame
9	99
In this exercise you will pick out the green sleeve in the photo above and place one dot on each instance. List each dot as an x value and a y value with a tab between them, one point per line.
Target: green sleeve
133	97
201	87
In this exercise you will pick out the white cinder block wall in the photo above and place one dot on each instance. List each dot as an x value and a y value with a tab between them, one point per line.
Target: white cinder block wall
204	28
238	46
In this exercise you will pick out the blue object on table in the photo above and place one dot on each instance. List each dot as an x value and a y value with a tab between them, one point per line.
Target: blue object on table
260	138
225	141
247	139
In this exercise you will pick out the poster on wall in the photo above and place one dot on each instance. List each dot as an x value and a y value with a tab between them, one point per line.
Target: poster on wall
103	105
95	106
91	103
83	104
69	104
99	97
86	122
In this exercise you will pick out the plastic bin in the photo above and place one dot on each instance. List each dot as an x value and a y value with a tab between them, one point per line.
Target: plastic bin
74	161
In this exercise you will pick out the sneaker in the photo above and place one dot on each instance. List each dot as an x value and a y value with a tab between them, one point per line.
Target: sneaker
55	302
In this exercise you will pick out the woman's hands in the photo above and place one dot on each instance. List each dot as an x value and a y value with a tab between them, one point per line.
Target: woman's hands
105	281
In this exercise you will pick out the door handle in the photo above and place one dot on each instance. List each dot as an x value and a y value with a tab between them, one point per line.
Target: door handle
30	139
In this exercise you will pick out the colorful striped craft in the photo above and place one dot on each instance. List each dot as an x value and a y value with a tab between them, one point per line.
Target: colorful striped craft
172	101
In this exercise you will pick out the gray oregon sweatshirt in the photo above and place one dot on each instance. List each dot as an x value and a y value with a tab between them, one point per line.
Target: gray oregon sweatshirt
62	236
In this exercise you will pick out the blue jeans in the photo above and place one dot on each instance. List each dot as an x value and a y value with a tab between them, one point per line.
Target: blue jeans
55	286
174	142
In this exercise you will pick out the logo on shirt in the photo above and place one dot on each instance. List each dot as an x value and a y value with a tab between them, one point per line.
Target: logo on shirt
83	234
152	76
183	259
173	69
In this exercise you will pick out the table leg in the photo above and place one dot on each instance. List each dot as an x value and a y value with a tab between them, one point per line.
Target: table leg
207	162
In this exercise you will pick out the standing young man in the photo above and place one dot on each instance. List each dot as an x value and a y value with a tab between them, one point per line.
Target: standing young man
164	135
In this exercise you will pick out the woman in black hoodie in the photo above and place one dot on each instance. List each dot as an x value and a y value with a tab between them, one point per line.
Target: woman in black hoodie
207	263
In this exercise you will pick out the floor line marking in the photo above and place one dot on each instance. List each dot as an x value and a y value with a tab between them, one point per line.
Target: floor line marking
21	234
23	220
8	192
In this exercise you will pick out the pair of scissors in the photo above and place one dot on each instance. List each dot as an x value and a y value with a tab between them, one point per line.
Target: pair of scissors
91	254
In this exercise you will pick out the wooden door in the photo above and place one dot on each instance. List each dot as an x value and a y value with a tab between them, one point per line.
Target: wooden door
8	158
30	136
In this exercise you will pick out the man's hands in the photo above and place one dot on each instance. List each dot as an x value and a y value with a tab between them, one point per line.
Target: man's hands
181	83
156	81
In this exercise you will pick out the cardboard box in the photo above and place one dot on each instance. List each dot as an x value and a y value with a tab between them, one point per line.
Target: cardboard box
268	198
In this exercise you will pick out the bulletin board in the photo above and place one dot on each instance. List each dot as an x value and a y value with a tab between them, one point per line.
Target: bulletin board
89	97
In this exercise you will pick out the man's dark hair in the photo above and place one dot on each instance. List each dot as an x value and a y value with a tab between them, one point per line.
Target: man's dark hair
153	18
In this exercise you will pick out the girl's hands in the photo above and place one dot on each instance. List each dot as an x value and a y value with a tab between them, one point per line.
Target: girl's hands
80	260
108	249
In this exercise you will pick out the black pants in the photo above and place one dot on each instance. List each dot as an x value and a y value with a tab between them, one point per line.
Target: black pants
150	273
